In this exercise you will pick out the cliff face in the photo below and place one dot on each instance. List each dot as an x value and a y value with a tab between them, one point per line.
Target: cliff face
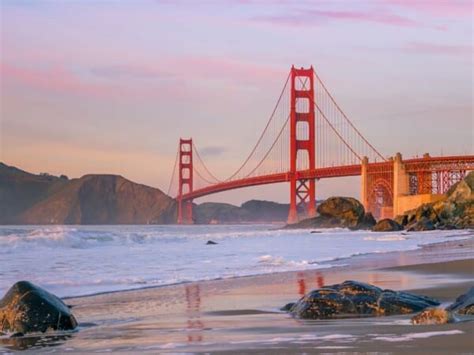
20	190
92	199
110	199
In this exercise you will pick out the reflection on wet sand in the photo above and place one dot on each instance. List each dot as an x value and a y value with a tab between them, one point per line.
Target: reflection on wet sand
193	308
302	282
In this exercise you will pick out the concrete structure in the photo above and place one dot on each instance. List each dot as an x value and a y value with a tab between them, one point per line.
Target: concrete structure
397	186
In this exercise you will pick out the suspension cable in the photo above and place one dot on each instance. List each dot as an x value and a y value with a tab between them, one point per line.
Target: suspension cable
195	169
263	133
269	150
346	118
204	165
174	172
330	124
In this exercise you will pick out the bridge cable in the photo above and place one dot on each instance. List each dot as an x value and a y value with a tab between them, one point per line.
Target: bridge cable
174	172
347	119
263	133
204	165
270	149
330	124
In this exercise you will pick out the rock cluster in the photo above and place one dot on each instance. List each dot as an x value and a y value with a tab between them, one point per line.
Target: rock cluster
463	306
27	308
357	299
454	211
339	212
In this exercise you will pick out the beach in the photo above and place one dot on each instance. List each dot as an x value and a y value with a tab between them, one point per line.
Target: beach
241	314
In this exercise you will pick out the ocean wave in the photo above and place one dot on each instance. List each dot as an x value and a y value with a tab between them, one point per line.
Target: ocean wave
387	238
280	261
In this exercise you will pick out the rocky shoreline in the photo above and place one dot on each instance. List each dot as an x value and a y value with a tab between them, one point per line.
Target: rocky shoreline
455	210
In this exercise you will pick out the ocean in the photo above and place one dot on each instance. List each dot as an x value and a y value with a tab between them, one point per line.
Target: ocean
84	260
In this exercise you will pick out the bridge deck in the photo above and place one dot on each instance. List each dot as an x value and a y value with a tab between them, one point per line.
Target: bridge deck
418	164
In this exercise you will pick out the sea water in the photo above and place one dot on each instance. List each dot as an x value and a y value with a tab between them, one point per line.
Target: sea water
82	260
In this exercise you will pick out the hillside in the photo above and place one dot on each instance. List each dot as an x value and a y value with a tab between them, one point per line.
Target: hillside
253	211
92	199
27	198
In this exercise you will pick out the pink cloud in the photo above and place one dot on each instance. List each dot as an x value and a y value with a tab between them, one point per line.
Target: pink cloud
55	79
229	69
316	17
441	8
443	49
59	80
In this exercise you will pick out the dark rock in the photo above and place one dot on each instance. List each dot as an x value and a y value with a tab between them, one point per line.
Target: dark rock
357	299
368	221
338	212
210	242
401	219
27	308
423	224
287	307
426	211
387	225
464	304
346	209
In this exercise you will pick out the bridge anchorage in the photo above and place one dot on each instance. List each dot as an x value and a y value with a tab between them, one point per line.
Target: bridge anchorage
306	138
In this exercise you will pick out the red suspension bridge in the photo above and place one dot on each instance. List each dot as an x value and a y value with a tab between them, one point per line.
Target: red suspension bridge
306	138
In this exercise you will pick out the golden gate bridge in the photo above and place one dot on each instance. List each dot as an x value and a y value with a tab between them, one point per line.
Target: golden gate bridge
308	137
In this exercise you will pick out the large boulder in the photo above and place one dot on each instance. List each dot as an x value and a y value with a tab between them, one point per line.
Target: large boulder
387	225
346	209
357	299
27	308
339	212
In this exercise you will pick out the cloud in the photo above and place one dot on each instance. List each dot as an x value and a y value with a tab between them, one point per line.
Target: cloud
56	79
60	80
313	17
442	49
129	72
212	151
439	8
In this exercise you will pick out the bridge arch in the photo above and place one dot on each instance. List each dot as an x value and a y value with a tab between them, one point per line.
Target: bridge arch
381	198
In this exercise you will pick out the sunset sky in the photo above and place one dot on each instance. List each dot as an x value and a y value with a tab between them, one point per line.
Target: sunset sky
110	86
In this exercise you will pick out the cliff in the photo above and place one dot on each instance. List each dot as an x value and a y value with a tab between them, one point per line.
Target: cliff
92	199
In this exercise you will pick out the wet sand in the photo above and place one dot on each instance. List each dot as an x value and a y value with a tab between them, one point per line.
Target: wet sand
242	315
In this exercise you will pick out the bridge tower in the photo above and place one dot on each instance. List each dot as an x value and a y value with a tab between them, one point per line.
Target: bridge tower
302	139
185	207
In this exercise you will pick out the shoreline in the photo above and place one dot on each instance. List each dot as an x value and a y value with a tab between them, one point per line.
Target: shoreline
242	314
352	261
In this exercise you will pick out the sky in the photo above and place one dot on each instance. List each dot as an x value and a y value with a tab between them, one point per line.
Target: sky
109	86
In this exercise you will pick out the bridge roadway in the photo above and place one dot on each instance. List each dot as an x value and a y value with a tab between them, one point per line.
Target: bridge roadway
420	164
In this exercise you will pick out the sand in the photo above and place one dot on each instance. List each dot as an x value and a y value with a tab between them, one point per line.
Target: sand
242	315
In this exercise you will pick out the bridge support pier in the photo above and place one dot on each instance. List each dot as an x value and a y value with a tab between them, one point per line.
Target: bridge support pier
302	139
185	207
364	185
